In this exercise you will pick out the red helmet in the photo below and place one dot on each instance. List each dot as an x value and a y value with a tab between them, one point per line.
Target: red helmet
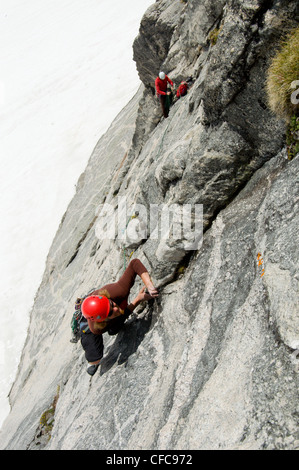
95	308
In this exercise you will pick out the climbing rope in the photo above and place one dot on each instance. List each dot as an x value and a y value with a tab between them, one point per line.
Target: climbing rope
162	140
127	258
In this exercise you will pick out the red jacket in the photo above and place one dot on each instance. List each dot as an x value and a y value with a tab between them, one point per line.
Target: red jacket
161	85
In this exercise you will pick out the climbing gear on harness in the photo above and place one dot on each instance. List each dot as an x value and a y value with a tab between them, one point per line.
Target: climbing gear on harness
77	318
96	308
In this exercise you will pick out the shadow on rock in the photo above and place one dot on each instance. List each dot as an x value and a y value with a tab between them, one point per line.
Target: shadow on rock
127	342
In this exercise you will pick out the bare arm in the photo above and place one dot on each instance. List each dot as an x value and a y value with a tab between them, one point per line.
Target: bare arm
149	285
141	297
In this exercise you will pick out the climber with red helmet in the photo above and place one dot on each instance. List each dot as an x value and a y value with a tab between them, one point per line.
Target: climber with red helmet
106	309
163	94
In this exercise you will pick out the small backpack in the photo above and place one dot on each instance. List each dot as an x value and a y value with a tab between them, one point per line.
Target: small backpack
77	318
182	89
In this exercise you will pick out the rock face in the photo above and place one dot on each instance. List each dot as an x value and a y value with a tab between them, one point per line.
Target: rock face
211	364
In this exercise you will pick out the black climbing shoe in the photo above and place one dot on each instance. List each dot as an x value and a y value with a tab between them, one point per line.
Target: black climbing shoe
91	370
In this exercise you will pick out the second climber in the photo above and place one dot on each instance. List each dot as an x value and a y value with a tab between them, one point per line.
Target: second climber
164	95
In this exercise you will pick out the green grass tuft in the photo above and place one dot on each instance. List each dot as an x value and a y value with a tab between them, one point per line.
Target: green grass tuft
282	73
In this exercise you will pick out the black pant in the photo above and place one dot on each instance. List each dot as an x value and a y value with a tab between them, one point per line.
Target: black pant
93	344
165	101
